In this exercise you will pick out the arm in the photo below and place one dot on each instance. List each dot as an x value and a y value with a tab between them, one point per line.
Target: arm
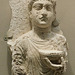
18	60
53	55
65	58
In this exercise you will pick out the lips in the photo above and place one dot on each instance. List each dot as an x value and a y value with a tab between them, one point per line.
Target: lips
43	19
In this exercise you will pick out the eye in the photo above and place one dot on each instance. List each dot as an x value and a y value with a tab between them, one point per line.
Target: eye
38	6
48	7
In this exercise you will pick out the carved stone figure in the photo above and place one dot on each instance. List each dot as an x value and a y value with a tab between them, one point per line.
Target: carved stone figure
42	50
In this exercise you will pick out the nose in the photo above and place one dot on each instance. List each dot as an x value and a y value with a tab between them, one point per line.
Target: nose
44	15
43	12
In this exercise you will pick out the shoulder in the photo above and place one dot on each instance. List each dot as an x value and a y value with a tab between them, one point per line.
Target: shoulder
23	40
23	37
60	39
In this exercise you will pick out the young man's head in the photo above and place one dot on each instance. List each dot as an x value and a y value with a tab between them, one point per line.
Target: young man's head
42	12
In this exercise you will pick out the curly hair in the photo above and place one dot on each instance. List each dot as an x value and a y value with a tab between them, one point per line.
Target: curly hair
32	1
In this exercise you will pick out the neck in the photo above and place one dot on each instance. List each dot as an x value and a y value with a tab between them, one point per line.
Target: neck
43	33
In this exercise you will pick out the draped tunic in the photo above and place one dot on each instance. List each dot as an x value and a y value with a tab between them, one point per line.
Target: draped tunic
27	58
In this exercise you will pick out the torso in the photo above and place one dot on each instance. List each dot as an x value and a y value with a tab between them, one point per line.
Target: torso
35	66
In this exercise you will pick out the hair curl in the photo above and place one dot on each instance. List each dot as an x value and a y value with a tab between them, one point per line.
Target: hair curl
32	1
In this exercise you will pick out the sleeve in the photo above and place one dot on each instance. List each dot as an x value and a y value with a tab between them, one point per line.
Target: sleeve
18	59
66	51
65	57
63	46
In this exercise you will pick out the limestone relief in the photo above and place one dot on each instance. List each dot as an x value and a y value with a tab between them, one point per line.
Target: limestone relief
35	39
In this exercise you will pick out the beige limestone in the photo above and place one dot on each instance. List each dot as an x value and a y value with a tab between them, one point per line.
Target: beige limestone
37	44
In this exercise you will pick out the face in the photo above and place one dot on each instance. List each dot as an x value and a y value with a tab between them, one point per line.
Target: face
42	13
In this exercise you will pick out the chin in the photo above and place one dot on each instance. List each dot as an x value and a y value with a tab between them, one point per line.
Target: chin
43	25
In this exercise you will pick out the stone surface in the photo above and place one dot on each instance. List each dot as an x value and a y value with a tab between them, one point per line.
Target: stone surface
37	44
19	21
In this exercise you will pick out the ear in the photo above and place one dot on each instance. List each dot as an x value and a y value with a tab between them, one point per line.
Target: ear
55	23
30	14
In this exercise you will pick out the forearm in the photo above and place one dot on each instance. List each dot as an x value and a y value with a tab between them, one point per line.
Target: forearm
18	65
18	61
52	65
52	53
18	70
